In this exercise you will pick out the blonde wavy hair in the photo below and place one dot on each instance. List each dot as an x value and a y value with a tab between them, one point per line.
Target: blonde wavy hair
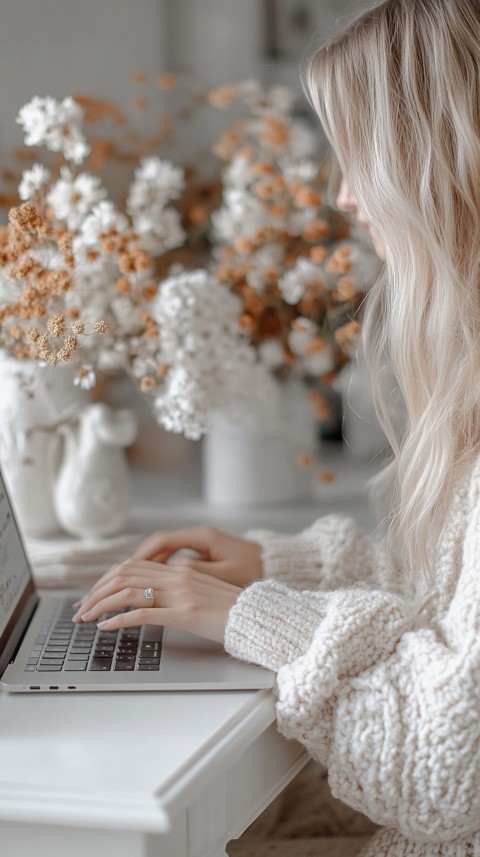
398	95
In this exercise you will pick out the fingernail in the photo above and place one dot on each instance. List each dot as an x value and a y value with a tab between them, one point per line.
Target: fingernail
103	624
86	614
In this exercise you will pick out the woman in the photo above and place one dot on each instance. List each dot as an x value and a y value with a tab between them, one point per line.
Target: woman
376	642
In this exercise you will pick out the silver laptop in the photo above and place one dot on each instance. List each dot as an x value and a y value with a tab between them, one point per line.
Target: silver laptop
42	650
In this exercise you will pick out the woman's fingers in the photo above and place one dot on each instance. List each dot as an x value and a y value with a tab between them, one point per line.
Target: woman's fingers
117	584
205	567
143	616
163	544
126	569
129	597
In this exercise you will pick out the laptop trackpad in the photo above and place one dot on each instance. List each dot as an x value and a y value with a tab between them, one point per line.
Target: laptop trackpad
187	658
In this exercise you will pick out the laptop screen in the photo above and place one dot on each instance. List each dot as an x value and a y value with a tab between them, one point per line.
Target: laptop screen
15	575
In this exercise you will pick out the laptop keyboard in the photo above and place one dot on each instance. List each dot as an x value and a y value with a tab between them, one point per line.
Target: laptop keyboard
66	647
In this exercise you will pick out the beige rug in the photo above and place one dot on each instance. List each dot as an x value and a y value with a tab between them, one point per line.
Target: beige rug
305	821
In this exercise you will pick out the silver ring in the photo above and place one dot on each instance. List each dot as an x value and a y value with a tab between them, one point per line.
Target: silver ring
149	593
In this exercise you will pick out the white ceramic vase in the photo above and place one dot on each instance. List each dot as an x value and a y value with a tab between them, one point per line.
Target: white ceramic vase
35	401
248	466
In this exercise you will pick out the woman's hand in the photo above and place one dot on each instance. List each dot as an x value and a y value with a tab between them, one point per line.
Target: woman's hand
183	598
221	555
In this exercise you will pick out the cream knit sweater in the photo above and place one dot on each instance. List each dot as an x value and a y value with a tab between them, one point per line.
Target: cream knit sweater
380	683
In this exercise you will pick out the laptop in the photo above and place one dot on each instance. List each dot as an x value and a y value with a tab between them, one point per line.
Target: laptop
41	649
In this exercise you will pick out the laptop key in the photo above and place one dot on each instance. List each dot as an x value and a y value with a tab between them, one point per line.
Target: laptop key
148	661
53	668
75	666
102	664
76	656
124	667
53	663
149	667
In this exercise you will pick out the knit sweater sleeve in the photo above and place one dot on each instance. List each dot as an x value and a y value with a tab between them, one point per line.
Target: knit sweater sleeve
333	551
390	708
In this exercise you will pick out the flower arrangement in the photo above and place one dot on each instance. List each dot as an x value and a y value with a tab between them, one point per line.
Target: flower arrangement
117	285
280	246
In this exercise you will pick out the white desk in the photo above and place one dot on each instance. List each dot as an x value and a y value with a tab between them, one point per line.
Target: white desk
152	774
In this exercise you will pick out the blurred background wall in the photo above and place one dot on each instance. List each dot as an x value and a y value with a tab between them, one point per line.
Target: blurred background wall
59	47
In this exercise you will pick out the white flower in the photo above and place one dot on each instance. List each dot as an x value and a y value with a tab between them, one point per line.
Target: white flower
156	182
160	233
301	335
33	180
292	285
241	214
103	218
304	171
271	353
212	368
320	362
72	198
85	377
239	172
56	124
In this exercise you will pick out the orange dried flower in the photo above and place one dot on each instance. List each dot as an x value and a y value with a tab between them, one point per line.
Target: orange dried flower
223	96
347	336
278	210
56	324
316	229
326	476
304	460
318	254
16	331
315	345
64	354
165	81
275	134
26	217
197	215
243	245
307	198
162	369
71	343
346	289
263	168
147	383
149	292
265	190
246	321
